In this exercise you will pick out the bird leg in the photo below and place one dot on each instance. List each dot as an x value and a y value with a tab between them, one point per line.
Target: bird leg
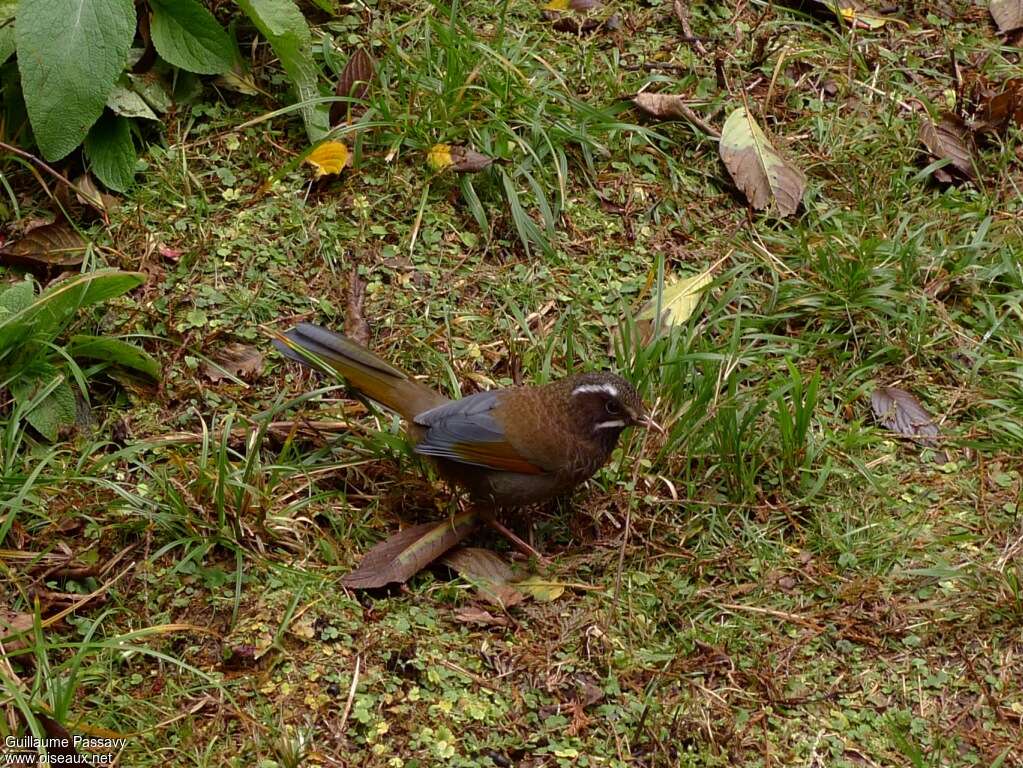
522	546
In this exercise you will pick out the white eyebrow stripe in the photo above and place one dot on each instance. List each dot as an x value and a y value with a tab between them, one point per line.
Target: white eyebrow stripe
609	424
607	389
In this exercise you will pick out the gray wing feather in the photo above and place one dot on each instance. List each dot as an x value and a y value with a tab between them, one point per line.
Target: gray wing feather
468	420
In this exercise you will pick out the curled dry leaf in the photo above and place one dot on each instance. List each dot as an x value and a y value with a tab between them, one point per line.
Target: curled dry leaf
678	302
13	629
329	157
57	245
900	412
352	84
671	106
406	553
492	576
949	139
757	168
452	157
88	194
1008	14
235	361
1002	109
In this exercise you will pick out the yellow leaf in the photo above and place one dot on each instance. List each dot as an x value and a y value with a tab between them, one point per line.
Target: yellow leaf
678	301
439	157
863	18
556	5
328	158
540	589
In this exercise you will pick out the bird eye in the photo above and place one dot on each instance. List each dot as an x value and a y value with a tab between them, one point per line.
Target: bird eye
612	408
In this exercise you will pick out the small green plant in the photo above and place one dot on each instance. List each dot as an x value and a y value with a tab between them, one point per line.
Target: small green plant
35	369
794	420
91	72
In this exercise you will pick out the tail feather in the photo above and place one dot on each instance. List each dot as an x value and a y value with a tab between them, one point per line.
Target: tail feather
364	372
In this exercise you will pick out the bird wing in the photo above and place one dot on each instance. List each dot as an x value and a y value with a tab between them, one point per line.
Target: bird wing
466	431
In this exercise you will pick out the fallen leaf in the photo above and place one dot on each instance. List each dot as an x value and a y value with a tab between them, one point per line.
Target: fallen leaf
87	193
949	139
678	302
757	168
491	575
455	158
352	84
406	553
238	80
900	412
356	327
56	245
470	614
1002	109
11	624
60	747
328	158
664	106
541	589
858	15
577	6
235	361
1008	14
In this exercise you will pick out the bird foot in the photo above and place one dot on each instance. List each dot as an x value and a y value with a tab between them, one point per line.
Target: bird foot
522	546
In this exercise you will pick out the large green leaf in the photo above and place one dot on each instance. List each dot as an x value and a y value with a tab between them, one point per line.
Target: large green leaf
70	53
50	402
55	307
114	351
111	151
187	35
282	23
16	298
7	43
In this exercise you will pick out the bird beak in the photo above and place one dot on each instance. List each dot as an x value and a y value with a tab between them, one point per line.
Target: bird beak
647	423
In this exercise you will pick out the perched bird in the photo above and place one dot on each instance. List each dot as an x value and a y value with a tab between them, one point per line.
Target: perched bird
507	447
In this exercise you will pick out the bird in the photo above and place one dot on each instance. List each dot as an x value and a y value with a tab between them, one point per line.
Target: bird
507	448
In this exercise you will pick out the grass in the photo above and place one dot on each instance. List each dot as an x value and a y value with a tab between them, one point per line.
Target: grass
798	586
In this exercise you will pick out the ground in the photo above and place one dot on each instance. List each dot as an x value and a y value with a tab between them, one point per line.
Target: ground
738	592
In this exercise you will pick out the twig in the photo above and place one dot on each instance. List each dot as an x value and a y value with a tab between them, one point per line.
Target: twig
351	695
682	14
698	121
628	518
48	168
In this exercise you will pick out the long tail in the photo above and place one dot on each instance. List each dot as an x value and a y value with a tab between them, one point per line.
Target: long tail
333	353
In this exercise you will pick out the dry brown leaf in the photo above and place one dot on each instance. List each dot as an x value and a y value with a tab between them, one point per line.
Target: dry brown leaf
1002	108
492	576
949	139
87	193
352	84
1008	14
406	553
13	623
901	412
758	169
672	106
235	361
356	327
458	159
50	246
